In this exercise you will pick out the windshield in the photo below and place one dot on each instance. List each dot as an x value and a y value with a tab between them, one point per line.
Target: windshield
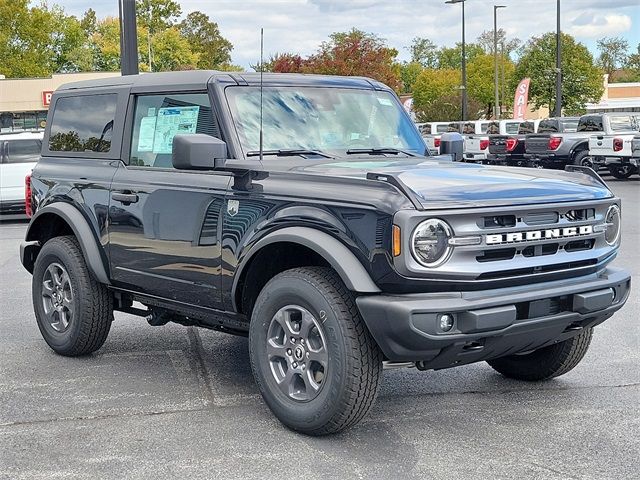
321	119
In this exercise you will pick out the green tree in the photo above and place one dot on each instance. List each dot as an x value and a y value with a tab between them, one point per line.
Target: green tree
157	15
632	67
612	53
356	53
436	95
582	79
424	52
206	41
171	51
106	44
409	74
480	79
451	57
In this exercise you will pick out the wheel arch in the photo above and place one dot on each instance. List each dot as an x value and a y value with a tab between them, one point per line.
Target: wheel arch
579	147
304	246
59	219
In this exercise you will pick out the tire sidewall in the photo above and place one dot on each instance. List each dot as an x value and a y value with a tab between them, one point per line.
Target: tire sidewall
279	292
55	252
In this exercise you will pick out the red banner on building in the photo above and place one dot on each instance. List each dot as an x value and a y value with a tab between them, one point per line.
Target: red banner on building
521	99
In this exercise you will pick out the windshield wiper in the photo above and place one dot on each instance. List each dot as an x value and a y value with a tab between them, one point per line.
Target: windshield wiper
378	151
291	152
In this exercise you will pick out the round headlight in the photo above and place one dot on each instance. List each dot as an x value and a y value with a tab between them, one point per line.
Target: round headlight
613	223
430	242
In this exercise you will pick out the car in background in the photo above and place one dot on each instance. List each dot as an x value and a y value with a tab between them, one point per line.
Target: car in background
476	147
432	131
19	153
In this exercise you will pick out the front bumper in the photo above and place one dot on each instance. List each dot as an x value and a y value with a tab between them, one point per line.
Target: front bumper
491	323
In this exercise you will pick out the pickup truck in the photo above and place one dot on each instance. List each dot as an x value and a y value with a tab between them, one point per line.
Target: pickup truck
560	147
509	149
614	149
301	211
476	146
19	153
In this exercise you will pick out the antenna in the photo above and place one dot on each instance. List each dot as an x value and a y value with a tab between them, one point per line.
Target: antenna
261	71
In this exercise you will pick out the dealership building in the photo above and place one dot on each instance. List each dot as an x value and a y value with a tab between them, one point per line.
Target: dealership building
24	102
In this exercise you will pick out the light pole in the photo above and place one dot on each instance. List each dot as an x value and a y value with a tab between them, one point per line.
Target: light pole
128	38
464	64
558	109
496	102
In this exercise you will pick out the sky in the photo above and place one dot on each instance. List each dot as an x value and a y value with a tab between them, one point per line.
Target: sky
299	26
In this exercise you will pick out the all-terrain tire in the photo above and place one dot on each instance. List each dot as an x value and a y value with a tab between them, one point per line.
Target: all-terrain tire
354	366
583	159
89	301
547	362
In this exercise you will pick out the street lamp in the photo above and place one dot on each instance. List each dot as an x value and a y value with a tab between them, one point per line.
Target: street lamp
558	109
464	63
496	108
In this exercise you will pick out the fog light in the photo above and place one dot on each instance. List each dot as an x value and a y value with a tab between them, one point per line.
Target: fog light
446	322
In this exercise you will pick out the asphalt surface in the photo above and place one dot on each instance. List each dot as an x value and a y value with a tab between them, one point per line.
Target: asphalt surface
177	402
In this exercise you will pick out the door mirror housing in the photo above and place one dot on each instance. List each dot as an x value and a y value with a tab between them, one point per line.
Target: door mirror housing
197	151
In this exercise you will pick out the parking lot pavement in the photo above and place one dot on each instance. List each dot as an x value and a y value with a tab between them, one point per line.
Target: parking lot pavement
176	402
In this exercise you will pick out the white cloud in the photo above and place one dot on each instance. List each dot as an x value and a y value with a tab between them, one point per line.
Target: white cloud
299	26
589	25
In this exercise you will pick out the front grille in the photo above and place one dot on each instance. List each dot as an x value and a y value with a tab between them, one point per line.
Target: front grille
528	241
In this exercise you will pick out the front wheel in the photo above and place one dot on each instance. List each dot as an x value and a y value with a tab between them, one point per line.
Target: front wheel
315	362
621	172
73	310
547	362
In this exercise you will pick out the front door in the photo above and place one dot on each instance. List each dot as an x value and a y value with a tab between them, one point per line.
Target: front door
164	223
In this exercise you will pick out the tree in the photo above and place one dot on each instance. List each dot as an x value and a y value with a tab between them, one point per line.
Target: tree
172	51
356	53
409	74
613	53
282	63
582	79
436	95
451	57
424	52
157	15
480	79
206	40
632	67
485	41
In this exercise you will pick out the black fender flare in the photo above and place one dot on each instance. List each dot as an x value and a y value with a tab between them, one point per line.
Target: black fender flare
93	253
344	262
578	146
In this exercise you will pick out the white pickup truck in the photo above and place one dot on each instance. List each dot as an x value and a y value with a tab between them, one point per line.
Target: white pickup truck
476	147
613	147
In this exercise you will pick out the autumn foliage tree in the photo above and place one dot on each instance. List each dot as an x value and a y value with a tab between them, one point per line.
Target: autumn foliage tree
346	53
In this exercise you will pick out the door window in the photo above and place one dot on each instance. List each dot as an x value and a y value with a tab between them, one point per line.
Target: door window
158	118
23	151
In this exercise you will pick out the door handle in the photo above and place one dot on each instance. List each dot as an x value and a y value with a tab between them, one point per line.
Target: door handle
125	197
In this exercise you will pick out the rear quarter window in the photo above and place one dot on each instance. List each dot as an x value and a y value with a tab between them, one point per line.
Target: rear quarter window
23	151
83	123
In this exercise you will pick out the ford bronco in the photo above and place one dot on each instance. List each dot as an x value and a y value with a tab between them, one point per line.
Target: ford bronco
306	213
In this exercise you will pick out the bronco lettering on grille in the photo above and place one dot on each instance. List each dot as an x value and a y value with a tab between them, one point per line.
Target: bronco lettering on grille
534	235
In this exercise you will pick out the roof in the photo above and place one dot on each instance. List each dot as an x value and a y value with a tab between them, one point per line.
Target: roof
198	78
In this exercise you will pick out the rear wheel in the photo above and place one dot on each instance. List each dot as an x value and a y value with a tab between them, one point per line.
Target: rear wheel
314	361
621	172
74	312
547	362
583	159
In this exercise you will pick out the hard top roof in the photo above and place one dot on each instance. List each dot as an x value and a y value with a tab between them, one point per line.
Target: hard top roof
199	78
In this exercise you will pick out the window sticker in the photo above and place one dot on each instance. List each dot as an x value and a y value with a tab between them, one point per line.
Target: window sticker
384	101
146	134
171	121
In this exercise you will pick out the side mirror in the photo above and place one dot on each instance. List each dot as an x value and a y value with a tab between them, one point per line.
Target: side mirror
196	151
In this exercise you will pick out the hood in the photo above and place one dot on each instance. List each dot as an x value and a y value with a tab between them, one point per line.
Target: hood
445	184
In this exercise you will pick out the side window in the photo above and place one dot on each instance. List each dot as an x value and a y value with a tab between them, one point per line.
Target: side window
83	123
23	151
158	118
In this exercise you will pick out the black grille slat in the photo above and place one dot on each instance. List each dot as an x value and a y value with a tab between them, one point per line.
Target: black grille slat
541	218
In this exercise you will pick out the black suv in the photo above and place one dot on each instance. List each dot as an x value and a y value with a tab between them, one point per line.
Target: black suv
302	211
